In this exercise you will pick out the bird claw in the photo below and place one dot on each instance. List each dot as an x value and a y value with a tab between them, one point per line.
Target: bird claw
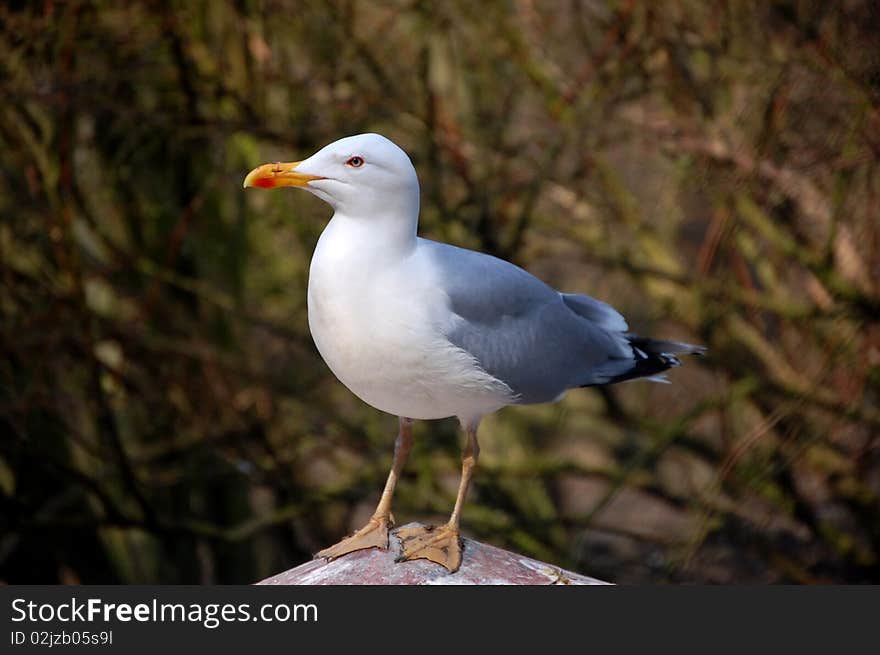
373	535
441	545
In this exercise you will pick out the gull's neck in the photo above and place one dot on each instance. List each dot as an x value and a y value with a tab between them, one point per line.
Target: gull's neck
382	230
370	226
385	233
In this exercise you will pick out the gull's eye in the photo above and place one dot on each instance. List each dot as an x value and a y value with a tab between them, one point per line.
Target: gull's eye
355	162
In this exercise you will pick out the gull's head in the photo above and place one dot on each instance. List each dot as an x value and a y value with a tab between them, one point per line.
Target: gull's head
359	176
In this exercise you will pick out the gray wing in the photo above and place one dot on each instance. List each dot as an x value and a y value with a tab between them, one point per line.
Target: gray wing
538	341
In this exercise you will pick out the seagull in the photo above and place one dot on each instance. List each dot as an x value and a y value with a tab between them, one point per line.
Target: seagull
426	330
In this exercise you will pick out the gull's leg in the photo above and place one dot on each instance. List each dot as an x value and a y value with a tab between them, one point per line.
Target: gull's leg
375	533
443	544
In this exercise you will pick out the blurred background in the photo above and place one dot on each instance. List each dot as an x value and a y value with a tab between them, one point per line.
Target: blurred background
710	168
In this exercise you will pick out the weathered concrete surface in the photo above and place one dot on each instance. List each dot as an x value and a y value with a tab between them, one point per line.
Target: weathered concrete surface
482	564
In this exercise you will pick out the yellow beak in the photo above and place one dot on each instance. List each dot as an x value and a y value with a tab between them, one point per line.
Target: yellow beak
269	176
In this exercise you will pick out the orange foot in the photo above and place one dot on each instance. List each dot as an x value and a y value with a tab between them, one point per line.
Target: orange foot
441	545
373	535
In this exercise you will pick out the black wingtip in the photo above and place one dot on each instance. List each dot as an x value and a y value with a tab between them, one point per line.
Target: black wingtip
651	357
661	347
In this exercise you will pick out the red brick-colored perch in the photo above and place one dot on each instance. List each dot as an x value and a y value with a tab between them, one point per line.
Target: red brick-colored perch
482	564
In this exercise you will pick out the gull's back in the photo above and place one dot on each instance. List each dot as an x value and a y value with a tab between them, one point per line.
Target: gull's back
525	333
